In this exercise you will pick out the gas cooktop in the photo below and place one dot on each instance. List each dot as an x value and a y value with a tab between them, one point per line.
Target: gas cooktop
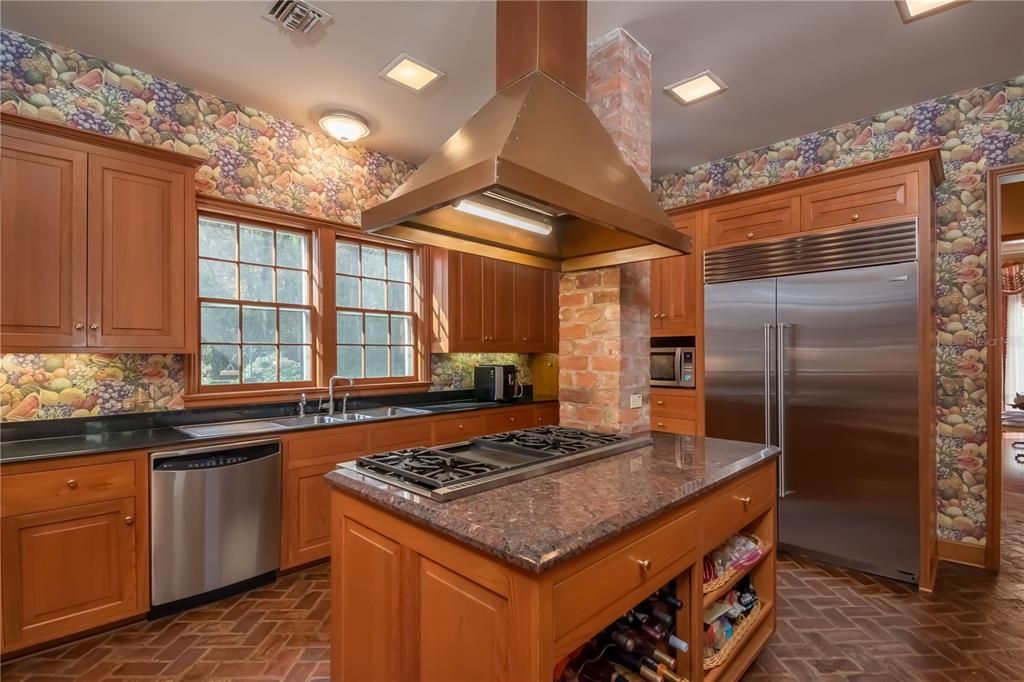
460	469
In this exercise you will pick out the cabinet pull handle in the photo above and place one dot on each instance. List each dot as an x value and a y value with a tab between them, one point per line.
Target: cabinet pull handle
744	500
524	338
661	402
511	419
129	520
72	483
94	326
855	217
660	425
80	325
750	235
645	564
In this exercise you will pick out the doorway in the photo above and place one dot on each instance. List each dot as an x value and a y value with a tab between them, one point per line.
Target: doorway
1006	366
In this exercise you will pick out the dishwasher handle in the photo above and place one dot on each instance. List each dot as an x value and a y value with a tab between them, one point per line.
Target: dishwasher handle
215	456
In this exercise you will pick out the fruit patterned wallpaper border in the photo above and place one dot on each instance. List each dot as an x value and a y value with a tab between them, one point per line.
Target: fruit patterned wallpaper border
976	130
455	370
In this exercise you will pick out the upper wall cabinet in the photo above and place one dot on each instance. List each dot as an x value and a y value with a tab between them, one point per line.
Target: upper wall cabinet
98	240
675	286
486	305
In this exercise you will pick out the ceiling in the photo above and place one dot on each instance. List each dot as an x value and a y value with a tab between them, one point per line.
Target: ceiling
791	67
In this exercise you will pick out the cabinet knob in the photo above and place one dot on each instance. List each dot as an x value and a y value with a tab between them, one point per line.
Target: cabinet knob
750	235
744	500
94	326
129	520
511	419
644	564
660	402
80	325
72	483
855	217
461	427
524	338
660	425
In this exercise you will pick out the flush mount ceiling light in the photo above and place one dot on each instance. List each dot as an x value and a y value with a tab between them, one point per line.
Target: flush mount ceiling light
410	73
912	10
344	126
695	88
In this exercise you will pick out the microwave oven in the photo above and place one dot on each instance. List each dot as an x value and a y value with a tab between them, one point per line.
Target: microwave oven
672	366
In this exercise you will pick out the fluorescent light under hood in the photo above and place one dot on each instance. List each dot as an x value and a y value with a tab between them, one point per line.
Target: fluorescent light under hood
481	207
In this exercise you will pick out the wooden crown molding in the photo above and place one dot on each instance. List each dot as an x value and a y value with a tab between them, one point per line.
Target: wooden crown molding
108	141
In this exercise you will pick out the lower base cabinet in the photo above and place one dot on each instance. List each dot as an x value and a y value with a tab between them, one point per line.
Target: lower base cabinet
69	567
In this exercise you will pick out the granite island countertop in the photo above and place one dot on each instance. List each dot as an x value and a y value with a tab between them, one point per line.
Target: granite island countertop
541	522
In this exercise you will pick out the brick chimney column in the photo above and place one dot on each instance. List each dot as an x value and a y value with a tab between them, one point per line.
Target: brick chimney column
605	315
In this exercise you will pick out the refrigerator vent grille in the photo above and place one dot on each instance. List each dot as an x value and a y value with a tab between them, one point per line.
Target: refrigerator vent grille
853	248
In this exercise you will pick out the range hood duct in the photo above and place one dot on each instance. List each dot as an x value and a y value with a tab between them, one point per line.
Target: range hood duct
533	177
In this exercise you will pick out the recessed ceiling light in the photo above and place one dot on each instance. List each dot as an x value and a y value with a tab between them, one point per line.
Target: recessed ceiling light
410	73
344	126
912	10
696	88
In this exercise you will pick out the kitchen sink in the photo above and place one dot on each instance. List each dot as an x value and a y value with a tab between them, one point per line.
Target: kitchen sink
316	419
239	428
379	412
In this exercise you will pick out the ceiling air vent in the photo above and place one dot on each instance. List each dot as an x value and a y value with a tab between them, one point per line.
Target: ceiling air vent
295	15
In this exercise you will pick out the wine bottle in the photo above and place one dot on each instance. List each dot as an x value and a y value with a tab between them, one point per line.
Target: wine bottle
641	622
644	645
630	662
624	639
664	618
669	600
661	669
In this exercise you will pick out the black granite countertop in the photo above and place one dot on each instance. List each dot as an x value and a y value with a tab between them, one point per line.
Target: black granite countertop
539	523
160	431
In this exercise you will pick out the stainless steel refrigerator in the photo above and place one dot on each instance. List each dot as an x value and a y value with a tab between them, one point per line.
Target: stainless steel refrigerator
811	344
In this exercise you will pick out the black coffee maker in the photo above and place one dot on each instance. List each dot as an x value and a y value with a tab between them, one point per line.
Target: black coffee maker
496	383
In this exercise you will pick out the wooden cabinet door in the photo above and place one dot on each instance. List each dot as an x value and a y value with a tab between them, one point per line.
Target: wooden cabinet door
498	304
68	570
137	243
878	195
305	515
753	220
530	309
366	572
679	288
658	286
467	302
43	274
458	616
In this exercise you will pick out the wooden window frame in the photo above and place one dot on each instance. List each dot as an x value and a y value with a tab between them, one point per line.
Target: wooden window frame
323	234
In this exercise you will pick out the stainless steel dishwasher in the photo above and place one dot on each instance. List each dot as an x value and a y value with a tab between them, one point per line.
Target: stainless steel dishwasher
216	521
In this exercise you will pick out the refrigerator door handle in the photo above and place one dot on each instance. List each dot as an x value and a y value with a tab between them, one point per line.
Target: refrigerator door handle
780	347
767	385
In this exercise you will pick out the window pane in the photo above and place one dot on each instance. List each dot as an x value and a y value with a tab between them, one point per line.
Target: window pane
401	361
376	361
291	286
256	244
373	262
259	325
350	328
346	294
219	365
350	361
377	329
295	363
218	280
398	265
257	283
259	364
401	329
295	327
217	239
373	294
291	250
346	257
219	323
398	296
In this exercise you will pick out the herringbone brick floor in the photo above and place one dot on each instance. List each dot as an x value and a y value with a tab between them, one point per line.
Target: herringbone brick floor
833	624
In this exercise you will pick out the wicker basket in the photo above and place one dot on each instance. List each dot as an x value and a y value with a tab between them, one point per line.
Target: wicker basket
742	631
712	585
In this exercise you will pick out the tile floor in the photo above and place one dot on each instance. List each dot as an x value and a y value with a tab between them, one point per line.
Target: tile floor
833	624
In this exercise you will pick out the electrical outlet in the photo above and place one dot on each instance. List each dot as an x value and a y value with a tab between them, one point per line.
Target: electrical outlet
636	400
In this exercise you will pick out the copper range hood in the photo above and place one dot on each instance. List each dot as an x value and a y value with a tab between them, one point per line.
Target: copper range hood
533	177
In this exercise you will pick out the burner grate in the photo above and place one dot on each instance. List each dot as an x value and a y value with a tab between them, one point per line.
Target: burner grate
548	440
426	467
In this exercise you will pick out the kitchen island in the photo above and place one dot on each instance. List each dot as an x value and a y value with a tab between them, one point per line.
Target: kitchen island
504	584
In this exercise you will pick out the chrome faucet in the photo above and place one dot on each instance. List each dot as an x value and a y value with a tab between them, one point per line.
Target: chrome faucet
330	394
302	405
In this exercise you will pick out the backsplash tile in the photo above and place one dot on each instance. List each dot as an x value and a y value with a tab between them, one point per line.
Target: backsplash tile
455	370
60	385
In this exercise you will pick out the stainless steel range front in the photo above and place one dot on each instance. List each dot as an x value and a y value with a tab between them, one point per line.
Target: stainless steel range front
453	471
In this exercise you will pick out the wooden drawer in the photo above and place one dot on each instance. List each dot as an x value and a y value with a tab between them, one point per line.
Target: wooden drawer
497	421
673	404
330	445
404	433
684	427
546	414
459	427
66	487
749	221
583	594
733	508
877	196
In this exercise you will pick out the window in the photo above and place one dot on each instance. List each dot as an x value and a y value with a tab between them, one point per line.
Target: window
255	304
374	316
